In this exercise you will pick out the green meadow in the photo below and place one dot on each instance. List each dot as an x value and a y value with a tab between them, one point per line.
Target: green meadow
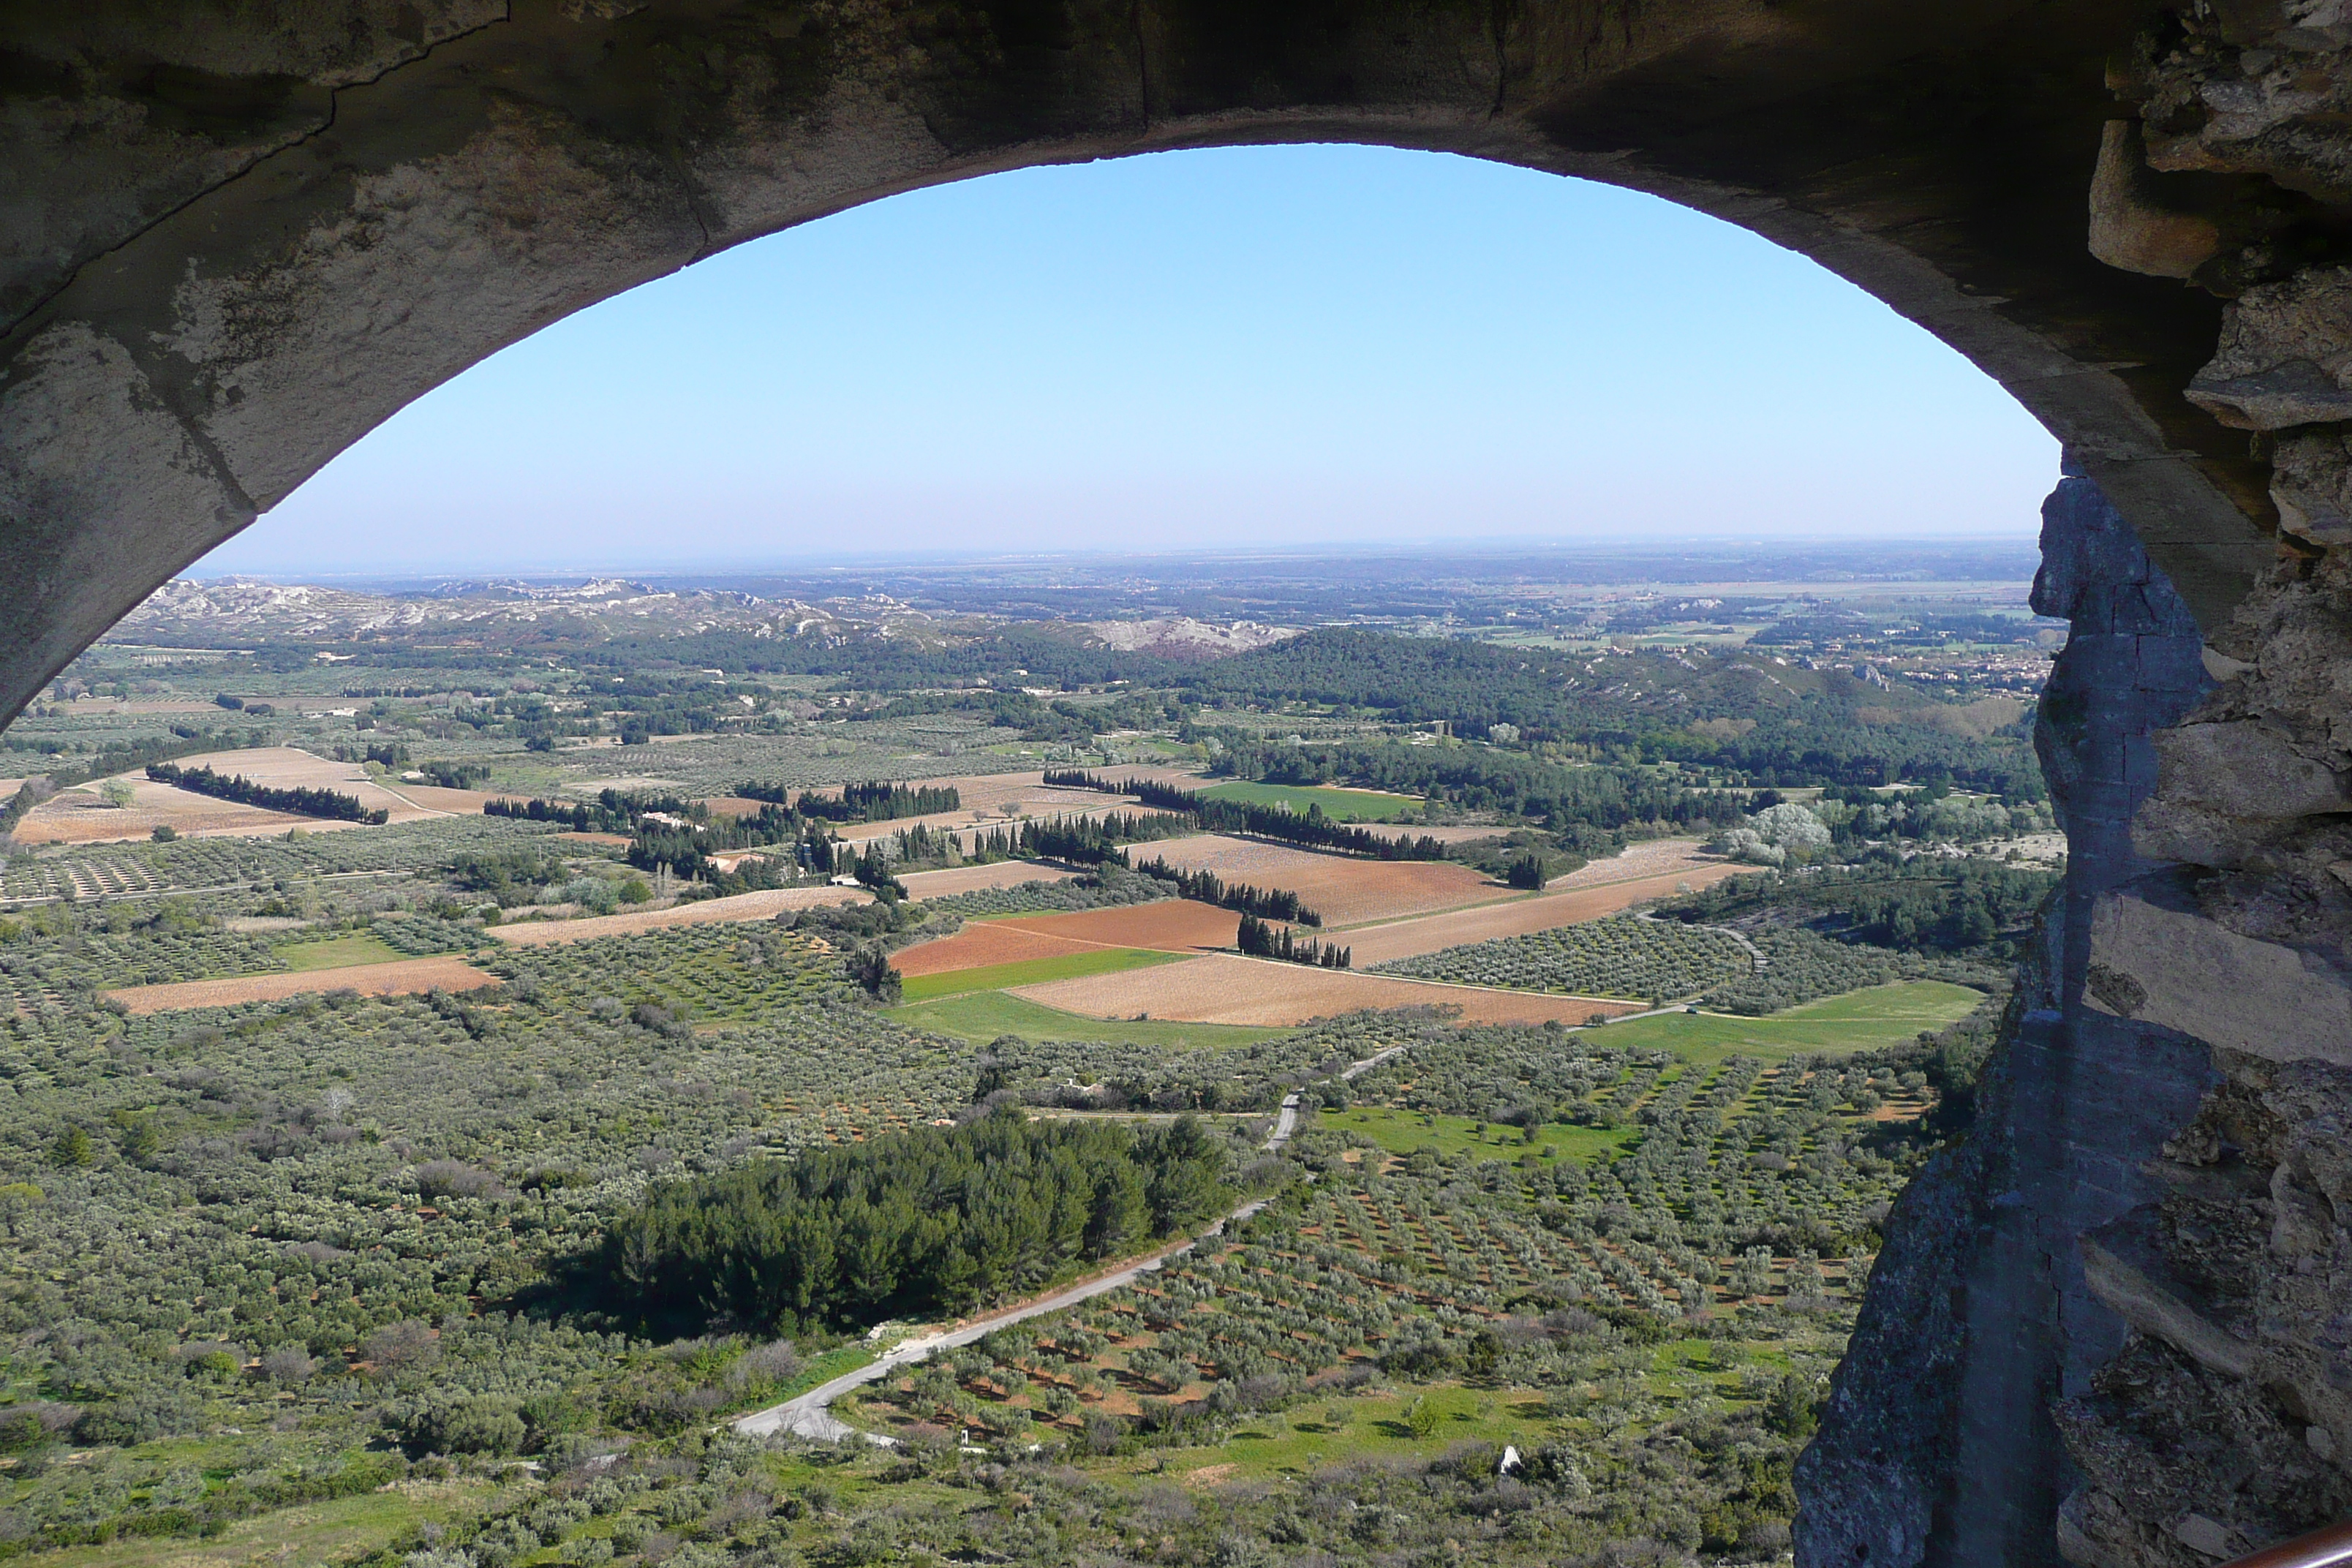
1857	1021
1342	804
980	1017
1405	1131
1033	972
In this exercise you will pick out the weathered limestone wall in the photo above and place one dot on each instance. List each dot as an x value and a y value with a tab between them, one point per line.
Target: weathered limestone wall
1940	1443
2115	1328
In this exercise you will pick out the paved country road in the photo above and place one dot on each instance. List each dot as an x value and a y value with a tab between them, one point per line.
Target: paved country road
811	1415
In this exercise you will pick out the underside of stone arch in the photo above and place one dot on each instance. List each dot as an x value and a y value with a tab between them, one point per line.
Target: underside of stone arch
239	235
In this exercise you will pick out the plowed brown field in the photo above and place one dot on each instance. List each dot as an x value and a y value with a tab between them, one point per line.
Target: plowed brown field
409	977
1341	889
978	946
1172	925
1224	988
972	878
1176	925
80	816
1408	939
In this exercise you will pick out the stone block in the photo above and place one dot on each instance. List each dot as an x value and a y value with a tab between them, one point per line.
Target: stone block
2164	965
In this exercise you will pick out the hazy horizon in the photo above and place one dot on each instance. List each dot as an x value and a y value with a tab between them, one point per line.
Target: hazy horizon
1579	563
1337	347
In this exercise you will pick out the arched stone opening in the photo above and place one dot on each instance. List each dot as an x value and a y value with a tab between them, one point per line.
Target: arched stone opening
239	238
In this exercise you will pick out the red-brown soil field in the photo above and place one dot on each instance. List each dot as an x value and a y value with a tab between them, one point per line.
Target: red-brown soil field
1345	890
1563	904
1176	925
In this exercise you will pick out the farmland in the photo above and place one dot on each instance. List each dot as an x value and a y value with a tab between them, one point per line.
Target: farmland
1342	804
1345	890
1075	965
318	1135
1225	989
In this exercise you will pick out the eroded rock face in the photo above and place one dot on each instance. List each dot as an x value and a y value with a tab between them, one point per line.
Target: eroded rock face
1941	1442
2223	1425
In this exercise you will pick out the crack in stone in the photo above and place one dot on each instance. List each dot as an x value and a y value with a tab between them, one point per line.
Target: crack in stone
19	332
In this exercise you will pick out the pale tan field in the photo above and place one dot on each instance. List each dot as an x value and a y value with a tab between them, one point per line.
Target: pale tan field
408	977
972	878
1407	939
456	802
733	806
968	825
1443	835
1344	889
990	799
85	706
1226	988
1647	857
81	816
290	767
709	911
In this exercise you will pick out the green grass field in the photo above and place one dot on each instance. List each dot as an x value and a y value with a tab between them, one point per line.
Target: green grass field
980	1017
1342	804
340	952
311	1536
1403	1131
1366	1426
1033	971
1857	1021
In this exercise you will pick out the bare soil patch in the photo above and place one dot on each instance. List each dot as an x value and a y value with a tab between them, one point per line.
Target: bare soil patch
408	977
707	911
1224	988
456	801
80	816
1176	925
974	878
978	946
1430	933
733	806
1343	889
1172	925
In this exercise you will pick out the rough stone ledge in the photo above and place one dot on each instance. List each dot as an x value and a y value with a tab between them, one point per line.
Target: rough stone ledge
2158	960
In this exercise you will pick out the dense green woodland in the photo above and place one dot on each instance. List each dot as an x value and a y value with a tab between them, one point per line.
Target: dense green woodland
1801	727
936	1221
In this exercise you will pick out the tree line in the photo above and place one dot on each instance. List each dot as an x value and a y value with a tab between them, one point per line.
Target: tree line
331	804
1310	828
938	1219
1207	888
878	801
1260	940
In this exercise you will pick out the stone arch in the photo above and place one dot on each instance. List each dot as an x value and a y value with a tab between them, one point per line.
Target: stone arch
239	233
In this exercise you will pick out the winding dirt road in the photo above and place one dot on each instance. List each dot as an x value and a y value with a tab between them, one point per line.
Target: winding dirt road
811	1415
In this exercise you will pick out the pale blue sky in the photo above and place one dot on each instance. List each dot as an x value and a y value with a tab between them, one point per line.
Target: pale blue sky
1293	345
